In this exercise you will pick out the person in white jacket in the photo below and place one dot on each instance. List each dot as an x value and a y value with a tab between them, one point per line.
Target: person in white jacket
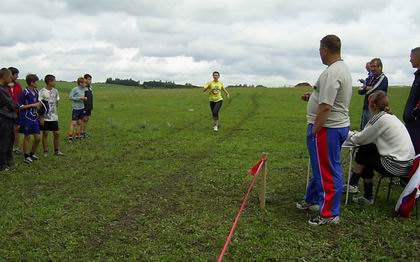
385	147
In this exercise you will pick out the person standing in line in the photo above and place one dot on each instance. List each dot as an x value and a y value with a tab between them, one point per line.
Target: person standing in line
88	105
51	95
215	89
8	118
411	114
328	127
28	105
77	96
16	90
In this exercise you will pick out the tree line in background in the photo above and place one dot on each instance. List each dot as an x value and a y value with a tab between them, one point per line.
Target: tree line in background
163	84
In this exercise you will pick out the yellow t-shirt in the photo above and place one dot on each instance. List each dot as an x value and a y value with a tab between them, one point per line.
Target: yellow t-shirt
215	90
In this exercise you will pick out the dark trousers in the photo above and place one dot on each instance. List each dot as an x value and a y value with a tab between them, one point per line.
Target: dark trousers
215	107
368	156
7	138
415	137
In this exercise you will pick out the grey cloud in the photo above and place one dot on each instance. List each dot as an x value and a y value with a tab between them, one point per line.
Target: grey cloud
184	40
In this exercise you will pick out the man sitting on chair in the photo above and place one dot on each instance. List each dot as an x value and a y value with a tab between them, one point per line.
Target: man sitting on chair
385	147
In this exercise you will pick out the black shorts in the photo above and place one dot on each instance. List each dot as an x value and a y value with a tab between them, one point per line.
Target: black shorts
77	114
87	112
50	126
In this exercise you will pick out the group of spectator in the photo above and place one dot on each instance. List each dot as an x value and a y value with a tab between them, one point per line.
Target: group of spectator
31	112
384	143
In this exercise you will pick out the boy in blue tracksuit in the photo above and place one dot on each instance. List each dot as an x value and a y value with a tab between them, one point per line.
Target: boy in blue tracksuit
28	105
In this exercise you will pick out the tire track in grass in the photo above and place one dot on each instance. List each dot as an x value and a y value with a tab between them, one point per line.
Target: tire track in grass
162	198
130	148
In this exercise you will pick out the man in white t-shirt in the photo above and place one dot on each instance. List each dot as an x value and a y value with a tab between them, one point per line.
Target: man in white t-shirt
51	95
328	126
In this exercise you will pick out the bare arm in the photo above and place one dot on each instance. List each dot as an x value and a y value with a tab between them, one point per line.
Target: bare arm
226	92
321	117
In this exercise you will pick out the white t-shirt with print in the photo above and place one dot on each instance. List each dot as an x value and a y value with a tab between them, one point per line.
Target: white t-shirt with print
52	96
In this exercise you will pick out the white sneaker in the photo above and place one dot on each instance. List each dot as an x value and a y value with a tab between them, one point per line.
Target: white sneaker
17	151
215	128
303	205
46	154
363	200
34	158
318	221
352	189
59	153
28	160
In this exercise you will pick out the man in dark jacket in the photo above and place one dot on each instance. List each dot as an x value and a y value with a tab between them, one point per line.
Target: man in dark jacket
7	120
411	112
377	81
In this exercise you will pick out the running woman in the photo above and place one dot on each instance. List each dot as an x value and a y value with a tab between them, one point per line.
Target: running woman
215	89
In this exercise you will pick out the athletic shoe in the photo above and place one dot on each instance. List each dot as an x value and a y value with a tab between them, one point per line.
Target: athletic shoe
17	151
59	153
28	160
303	205
215	128
4	169
352	189
11	165
318	221
70	140
46	154
363	200
34	157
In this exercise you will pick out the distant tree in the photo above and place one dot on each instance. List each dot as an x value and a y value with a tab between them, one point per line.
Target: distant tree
124	82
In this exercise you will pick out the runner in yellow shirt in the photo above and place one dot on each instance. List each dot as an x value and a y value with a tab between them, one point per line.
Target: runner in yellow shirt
215	89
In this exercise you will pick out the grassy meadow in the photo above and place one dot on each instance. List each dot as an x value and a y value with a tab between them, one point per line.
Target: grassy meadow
153	182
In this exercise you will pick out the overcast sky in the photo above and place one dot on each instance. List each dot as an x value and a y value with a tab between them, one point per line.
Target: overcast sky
269	42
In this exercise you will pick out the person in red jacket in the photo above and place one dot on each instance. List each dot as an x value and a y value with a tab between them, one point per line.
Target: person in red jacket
15	90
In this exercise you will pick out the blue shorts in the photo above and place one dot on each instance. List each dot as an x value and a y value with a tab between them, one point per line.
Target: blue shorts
32	129
77	114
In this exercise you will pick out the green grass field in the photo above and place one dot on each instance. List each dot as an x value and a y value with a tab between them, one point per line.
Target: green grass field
155	183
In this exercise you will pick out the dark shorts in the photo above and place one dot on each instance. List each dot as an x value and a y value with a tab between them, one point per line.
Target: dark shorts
77	114
50	126
87	112
32	129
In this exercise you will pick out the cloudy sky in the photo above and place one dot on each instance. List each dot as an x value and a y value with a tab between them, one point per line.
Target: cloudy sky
269	42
